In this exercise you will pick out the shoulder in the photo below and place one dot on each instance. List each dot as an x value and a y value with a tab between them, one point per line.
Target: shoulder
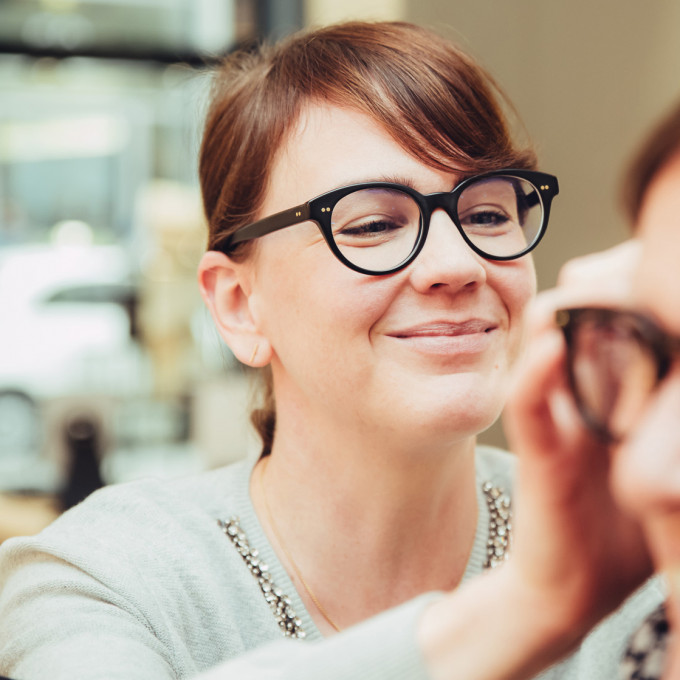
622	624
137	522
647	650
213	493
603	651
144	565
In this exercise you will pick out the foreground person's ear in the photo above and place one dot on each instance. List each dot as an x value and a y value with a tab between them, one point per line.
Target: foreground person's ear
225	290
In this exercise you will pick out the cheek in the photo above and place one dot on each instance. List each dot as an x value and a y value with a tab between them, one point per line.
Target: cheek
658	277
312	306
515	285
646	472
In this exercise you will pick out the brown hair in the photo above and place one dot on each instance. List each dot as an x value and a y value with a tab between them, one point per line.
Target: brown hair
436	101
659	147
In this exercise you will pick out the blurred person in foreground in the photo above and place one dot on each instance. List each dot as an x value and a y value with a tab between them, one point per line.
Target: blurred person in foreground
604	369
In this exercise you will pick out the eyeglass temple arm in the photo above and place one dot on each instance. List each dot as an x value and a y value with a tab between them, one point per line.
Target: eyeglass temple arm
267	225
532	199
550	186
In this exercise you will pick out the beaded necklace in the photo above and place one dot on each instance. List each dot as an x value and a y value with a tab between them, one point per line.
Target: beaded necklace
497	551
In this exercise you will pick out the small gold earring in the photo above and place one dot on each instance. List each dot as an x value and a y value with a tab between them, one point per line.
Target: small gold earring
254	354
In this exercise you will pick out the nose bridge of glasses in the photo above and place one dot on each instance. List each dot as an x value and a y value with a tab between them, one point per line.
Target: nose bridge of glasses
446	203
444	200
445	235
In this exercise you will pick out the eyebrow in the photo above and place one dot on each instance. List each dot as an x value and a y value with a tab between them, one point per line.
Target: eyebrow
398	179
403	180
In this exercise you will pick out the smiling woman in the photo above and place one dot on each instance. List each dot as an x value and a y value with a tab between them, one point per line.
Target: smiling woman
384	349
370	226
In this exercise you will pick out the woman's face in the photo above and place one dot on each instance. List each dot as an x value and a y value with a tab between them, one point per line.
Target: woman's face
658	276
648	467
423	352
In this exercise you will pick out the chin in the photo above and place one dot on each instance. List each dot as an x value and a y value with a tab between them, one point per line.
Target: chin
470	425
476	397
459	405
455	421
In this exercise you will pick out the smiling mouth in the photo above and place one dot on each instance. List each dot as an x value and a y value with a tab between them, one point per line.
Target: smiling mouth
444	329
448	340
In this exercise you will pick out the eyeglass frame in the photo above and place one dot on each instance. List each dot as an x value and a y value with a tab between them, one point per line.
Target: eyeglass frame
662	345
320	210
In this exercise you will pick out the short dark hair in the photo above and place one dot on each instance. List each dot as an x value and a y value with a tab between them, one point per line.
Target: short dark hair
659	147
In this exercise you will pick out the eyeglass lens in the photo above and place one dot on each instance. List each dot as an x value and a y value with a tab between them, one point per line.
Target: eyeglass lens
614	371
378	228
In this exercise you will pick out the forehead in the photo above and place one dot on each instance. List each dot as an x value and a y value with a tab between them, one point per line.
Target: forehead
330	146
657	283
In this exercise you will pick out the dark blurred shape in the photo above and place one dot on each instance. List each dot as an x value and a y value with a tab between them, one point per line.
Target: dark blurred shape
277	18
125	295
144	30
193	33
132	53
83	442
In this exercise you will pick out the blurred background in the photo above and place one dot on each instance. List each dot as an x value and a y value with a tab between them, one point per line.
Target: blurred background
110	369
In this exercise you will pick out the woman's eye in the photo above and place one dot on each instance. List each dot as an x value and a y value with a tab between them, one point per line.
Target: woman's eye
485	218
369	228
377	230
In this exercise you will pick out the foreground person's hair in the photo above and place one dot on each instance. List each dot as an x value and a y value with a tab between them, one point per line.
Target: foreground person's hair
658	148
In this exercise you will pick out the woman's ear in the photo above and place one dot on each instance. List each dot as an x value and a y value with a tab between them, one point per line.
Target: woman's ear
225	289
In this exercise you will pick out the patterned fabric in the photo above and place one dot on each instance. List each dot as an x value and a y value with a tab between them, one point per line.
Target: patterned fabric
646	652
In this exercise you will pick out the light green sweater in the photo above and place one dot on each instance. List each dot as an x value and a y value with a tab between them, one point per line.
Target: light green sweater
139	582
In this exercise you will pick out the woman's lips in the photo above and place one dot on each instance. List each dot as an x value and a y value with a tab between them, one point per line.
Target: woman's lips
444	337
447	328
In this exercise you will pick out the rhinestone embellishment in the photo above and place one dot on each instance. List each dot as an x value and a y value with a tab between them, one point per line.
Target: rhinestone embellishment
500	525
280	604
497	551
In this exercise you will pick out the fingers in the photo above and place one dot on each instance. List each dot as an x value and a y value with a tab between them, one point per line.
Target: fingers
544	427
587	547
603	279
541	396
539	409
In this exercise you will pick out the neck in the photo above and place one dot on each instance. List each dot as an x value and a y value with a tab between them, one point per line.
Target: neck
368	527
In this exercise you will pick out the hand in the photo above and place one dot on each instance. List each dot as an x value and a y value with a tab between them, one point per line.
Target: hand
573	542
604	279
576	554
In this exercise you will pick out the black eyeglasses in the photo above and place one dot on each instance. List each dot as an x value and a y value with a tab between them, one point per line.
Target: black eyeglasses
615	360
379	227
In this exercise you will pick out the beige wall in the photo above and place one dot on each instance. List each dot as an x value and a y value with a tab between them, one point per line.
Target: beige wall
328	11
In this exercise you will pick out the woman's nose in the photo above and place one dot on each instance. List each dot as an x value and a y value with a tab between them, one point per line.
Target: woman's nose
446	259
